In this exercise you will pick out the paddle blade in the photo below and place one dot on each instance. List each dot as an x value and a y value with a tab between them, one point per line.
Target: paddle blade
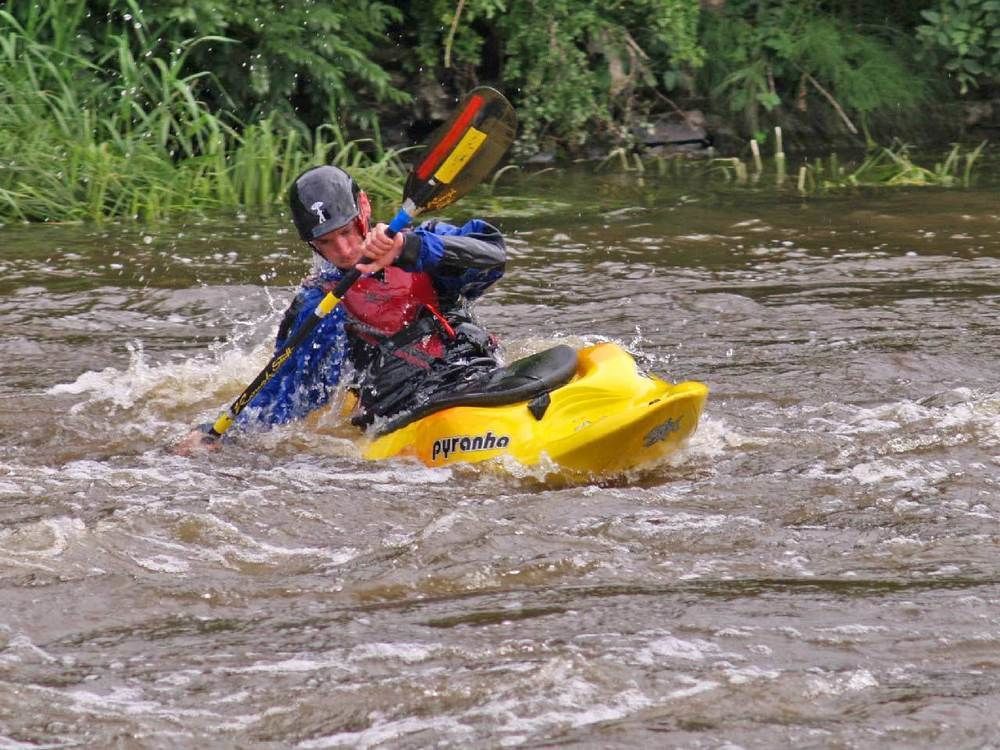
463	150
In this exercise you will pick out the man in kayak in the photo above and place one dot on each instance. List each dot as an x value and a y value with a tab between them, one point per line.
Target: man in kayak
404	332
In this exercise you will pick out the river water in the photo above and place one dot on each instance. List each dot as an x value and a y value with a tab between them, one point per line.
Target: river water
820	567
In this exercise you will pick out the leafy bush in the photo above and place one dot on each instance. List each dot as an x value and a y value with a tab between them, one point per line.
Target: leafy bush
575	67
967	34
764	54
306	60
316	60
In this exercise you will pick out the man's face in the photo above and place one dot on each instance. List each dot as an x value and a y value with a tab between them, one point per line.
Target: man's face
344	246
341	246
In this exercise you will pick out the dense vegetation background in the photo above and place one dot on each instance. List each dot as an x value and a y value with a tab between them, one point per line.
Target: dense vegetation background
111	108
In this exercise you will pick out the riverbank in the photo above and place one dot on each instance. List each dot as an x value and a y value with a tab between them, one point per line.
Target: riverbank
144	114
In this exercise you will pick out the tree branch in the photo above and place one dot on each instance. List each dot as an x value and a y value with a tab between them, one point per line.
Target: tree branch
836	106
451	33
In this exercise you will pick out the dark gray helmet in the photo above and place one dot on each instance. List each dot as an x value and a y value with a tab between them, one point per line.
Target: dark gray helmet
323	198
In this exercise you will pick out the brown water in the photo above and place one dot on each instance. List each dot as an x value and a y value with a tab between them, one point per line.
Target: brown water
819	568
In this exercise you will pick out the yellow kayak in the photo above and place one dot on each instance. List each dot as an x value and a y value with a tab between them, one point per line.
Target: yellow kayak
590	412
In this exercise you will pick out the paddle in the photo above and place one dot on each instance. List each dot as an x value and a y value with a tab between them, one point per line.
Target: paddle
460	154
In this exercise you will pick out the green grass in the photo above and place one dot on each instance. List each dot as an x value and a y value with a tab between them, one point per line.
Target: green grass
128	137
891	166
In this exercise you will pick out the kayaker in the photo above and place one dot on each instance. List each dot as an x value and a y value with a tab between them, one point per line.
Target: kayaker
404	332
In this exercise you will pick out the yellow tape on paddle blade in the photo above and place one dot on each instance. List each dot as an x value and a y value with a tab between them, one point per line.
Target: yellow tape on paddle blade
465	150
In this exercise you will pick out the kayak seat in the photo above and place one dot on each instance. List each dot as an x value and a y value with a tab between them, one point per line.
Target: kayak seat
523	380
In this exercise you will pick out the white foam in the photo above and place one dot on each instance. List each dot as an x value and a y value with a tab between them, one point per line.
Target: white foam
295	665
670	647
390	732
179	679
877	472
682	521
715	436
7	743
854	629
127	700
20	649
961	411
46	539
223	542
163	564
176	383
746	675
699	686
444	524
851	682
9	488
409	653
387	476
566	698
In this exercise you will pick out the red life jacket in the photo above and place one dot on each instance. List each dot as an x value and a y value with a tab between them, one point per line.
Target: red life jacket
383	307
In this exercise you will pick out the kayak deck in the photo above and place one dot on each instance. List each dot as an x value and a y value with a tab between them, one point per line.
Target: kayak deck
608	419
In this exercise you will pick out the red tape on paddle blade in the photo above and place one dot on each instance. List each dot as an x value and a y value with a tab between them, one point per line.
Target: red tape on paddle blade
462	122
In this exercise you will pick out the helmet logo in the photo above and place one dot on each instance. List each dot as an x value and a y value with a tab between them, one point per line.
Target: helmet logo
317	208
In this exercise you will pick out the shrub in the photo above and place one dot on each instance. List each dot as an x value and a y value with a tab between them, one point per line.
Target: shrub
765	54
966	34
575	67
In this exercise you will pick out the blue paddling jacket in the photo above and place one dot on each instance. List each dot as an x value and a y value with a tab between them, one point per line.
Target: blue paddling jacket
440	348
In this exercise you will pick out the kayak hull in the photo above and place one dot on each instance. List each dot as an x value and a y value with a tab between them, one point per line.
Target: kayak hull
608	419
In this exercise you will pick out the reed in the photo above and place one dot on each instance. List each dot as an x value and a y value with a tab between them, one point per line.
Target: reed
779	157
891	166
731	168
881	167
626	161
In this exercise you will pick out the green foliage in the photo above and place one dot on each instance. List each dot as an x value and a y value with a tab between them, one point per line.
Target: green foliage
128	135
309	58
575	67
891	167
899	14
765	54
966	33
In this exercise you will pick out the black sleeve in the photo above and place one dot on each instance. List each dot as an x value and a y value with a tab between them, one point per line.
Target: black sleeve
477	245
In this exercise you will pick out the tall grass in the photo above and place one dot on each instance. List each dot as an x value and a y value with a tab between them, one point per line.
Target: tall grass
891	166
128	136
882	166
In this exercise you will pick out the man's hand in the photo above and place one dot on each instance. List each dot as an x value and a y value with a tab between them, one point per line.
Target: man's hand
380	249
195	443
